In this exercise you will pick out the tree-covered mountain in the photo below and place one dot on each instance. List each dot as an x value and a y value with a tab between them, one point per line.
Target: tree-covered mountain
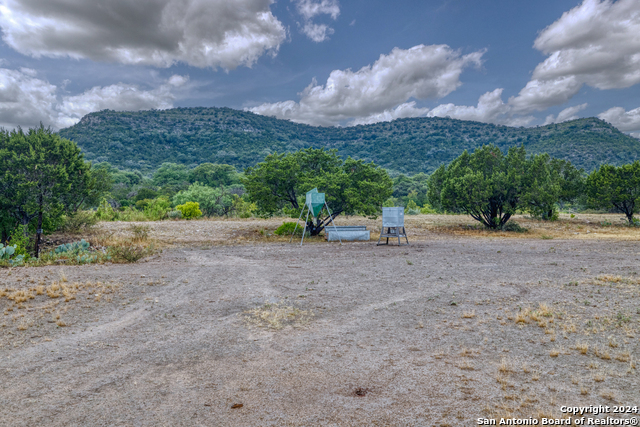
144	140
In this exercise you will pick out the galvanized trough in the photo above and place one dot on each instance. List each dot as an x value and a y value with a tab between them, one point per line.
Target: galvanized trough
349	233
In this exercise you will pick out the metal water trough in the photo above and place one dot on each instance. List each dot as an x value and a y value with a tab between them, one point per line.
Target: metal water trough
349	233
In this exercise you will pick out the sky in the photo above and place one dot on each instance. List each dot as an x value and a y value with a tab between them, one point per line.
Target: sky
323	62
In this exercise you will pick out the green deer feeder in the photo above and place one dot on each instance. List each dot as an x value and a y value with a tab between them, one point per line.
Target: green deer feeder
314	203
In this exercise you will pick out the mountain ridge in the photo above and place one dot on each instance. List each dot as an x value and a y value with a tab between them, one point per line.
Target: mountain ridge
143	140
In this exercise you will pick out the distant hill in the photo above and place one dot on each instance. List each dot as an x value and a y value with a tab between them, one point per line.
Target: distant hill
143	140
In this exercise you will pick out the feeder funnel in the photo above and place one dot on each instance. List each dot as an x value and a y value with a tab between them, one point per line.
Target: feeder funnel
315	201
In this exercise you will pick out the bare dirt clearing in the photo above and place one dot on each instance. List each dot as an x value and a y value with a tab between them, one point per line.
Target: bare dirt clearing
459	325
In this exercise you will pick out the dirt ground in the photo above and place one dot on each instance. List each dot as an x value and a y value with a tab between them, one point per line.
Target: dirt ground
232	326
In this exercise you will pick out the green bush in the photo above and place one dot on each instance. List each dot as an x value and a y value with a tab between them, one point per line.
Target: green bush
105	212
514	226
131	214
412	208
212	201
427	209
78	222
174	215
243	208
157	209
190	210
286	229
20	240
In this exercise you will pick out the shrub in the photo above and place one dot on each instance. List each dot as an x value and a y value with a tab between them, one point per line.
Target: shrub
20	241
105	212
212	201
243	208
427	209
286	229
131	214
514	226
78	222
127	252
140	232
157	209
190	210
412	208
174	215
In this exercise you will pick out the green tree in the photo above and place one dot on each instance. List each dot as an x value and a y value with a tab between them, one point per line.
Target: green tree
550	181
212	201
351	187
214	175
411	188
615	187
172	177
486	184
42	176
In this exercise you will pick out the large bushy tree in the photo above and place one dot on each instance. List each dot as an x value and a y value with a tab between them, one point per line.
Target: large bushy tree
351	186
214	175
491	186
550	181
486	184
611	187
43	176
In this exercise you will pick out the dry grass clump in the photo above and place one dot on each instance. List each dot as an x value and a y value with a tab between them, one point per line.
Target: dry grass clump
542	315
523	316
599	377
19	297
277	315
468	314
505	366
583	347
609	279
140	232
124	248
602	353
623	357
608	394
466	366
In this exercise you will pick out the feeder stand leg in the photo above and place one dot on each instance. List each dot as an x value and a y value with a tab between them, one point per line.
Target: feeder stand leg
296	227
305	227
334	224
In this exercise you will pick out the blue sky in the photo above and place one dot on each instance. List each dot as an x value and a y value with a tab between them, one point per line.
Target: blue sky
323	62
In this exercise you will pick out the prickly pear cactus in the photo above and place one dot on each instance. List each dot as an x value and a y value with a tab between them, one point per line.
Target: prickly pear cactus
73	248
7	252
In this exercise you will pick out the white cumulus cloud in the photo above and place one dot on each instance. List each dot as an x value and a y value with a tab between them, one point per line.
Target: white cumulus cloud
26	100
626	121
420	72
119	97
565	115
201	33
596	43
309	9
404	110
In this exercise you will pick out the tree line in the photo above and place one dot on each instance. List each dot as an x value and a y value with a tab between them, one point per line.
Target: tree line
46	184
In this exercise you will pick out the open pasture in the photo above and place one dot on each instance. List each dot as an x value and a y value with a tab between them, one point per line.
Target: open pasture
230	325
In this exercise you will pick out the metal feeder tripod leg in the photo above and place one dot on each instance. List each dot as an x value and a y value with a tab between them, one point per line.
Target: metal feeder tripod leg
296	227
305	226
334	224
